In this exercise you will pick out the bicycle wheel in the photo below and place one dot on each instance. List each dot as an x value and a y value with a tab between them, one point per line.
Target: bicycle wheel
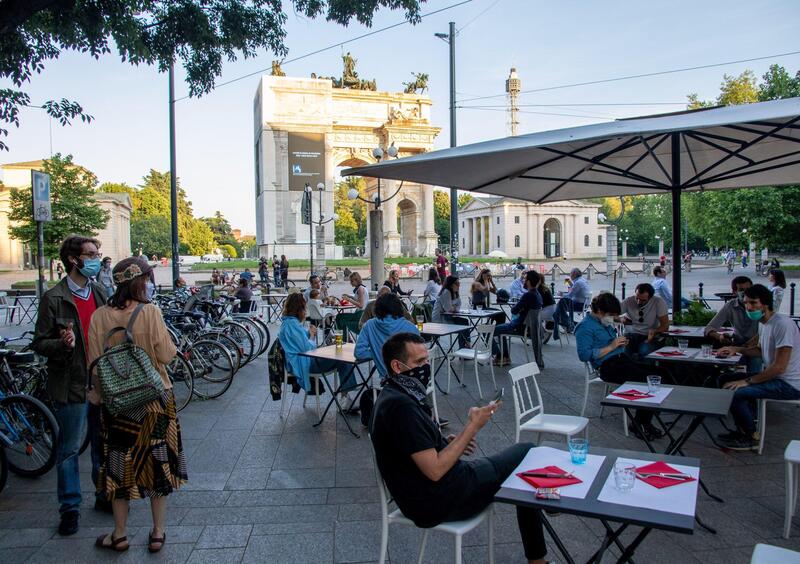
213	368
33	432
244	340
255	332
265	337
227	342
182	377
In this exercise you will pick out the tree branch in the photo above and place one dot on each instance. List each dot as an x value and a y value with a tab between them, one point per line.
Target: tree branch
14	13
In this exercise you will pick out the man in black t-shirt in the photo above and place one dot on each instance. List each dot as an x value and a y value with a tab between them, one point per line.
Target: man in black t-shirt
422	469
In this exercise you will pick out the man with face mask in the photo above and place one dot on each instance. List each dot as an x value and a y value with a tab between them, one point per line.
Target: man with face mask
61	334
733	314
422	469
778	342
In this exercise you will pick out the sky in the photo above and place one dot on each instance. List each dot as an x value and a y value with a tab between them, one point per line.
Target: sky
551	44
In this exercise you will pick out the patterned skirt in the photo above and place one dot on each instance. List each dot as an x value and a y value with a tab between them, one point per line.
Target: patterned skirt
142	451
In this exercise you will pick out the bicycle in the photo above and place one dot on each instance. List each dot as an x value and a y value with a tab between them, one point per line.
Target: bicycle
28	433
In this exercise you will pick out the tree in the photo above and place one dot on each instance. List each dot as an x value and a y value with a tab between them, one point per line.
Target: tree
74	210
351	227
778	84
200	34
222	231
152	236
228	251
441	214
464	199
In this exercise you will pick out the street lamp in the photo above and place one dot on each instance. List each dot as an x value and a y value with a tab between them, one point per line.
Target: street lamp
376	258
318	223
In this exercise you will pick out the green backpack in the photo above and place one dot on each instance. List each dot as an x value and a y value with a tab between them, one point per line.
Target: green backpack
128	378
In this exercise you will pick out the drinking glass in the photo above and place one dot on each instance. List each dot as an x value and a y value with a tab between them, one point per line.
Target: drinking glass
653	383
420	322
578	449
624	476
337	338
683	344
705	351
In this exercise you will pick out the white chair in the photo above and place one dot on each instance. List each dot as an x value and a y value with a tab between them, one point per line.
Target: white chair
792	457
6	307
315	377
593	379
481	354
522	336
456	528
768	554
526	404
762	419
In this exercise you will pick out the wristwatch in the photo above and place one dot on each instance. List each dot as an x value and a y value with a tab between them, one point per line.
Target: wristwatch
749	380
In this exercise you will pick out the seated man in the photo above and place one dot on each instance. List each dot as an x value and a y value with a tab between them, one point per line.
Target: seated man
424	471
778	342
645	317
734	315
598	344
530	300
662	289
369	311
389	320
517	288
314	283
574	299
246	275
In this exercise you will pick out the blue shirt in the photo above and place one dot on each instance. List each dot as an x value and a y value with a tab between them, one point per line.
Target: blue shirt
375	333
295	340
516	290
529	300
579	292
662	290
591	336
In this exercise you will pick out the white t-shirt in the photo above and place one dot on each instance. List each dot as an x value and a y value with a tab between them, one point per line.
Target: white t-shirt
780	331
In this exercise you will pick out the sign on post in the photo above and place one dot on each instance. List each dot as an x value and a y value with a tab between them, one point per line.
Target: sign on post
40	183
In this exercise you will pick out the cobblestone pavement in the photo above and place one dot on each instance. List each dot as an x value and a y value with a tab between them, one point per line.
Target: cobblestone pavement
268	489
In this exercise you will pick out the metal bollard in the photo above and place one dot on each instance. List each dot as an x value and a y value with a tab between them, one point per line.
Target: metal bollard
553	288
791	297
700	289
623	290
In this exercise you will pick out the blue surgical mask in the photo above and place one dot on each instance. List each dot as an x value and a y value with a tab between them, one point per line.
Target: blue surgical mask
150	290
90	268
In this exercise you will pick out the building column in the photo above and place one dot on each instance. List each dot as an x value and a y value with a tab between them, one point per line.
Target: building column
531	249
391	236
428	239
470	237
488	232
479	235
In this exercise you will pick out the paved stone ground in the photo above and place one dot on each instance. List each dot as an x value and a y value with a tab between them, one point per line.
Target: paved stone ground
267	489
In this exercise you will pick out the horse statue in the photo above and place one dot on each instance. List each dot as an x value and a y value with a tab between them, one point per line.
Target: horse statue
418	86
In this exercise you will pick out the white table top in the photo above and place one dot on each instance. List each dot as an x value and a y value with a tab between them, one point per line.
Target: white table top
693	356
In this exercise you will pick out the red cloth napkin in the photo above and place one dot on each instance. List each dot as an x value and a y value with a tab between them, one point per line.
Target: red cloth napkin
676	331
344	302
632	395
658	482
549	482
670	353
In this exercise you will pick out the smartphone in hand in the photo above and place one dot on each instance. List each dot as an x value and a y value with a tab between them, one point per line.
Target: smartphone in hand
498	396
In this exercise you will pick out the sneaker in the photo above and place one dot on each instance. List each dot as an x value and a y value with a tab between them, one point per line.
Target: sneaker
653	431
730	435
69	523
742	443
102	505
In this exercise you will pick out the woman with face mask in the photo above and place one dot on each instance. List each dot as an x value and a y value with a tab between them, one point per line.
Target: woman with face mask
599	344
142	450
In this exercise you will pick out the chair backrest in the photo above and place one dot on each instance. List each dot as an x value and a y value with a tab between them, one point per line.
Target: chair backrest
3	298
523	380
591	371
382	489
348	322
485	335
533	328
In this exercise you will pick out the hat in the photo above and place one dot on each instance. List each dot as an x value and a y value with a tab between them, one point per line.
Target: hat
130	268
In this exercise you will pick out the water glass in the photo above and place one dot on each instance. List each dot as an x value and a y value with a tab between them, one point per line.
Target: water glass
653	383
578	449
420	322
337	339
683	344
624	476
705	351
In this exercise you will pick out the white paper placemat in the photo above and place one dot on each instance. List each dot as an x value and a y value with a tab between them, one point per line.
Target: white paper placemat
680	498
657	398
687	353
539	457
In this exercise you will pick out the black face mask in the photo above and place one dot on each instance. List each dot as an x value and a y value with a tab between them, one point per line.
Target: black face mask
421	373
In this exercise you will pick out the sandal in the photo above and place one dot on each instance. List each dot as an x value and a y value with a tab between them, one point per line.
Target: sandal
151	540
115	543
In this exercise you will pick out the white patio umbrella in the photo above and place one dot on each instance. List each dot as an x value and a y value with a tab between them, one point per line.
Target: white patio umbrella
497	253
709	149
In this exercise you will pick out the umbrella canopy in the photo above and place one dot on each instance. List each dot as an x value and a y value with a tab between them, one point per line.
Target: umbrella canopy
709	149
497	253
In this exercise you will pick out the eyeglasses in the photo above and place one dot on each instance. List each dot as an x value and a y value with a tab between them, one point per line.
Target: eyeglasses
641	315
92	255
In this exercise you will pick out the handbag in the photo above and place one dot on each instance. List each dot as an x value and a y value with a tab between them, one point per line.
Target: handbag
128	377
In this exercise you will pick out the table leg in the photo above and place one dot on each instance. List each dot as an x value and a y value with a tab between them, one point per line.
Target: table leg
610	536
627	554
335	400
437	343
639	428
560	545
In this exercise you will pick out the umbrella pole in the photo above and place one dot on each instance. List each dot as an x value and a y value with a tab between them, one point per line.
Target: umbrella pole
676	222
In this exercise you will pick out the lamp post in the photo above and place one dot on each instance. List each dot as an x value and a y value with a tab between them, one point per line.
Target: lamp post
318	223
376	253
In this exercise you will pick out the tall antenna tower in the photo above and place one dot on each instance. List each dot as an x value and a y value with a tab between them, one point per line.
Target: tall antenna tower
513	88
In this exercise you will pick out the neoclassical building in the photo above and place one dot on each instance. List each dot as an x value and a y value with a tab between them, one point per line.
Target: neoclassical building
523	229
115	238
305	131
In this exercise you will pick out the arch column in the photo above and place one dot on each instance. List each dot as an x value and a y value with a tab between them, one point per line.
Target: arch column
391	237
428	239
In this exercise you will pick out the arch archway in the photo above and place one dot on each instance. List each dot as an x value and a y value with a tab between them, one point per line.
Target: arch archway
552	238
407	220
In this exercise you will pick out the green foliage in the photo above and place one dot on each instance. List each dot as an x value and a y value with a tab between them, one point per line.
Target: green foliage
152	235
696	315
464	199
200	34
74	209
221	229
228	251
441	214
351	227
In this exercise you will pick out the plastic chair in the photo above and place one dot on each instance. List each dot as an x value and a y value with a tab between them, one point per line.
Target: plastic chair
456	528
593	379
481	354
792	457
8	308
762	418
523	378
768	554
315	377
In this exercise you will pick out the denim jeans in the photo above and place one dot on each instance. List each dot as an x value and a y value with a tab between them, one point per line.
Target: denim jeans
638	345
505	329
71	419
346	371
744	398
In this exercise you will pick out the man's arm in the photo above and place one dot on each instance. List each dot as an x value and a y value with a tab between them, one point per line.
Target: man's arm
46	340
721	318
782	356
435	464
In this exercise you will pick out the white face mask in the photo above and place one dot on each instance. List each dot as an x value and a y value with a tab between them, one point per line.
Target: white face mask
607	320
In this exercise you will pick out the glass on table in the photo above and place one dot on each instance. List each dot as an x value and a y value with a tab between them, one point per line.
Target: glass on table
653	383
624	476
683	344
420	322
705	351
338	338
578	449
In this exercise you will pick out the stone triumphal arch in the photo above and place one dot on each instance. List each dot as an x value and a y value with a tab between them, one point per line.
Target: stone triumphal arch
306	129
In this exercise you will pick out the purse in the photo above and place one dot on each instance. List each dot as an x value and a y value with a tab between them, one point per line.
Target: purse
128	377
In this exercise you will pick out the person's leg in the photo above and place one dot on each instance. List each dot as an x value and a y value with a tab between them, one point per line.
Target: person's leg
744	399
621	369
499	331
120	509
158	507
71	418
96	447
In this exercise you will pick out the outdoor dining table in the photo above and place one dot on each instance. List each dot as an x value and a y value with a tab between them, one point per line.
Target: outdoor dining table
345	353
436	331
28	309
413	299
692	357
683	401
686	332
669	509
476	316
274	304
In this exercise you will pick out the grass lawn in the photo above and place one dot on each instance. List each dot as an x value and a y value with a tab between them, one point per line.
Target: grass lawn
351	262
